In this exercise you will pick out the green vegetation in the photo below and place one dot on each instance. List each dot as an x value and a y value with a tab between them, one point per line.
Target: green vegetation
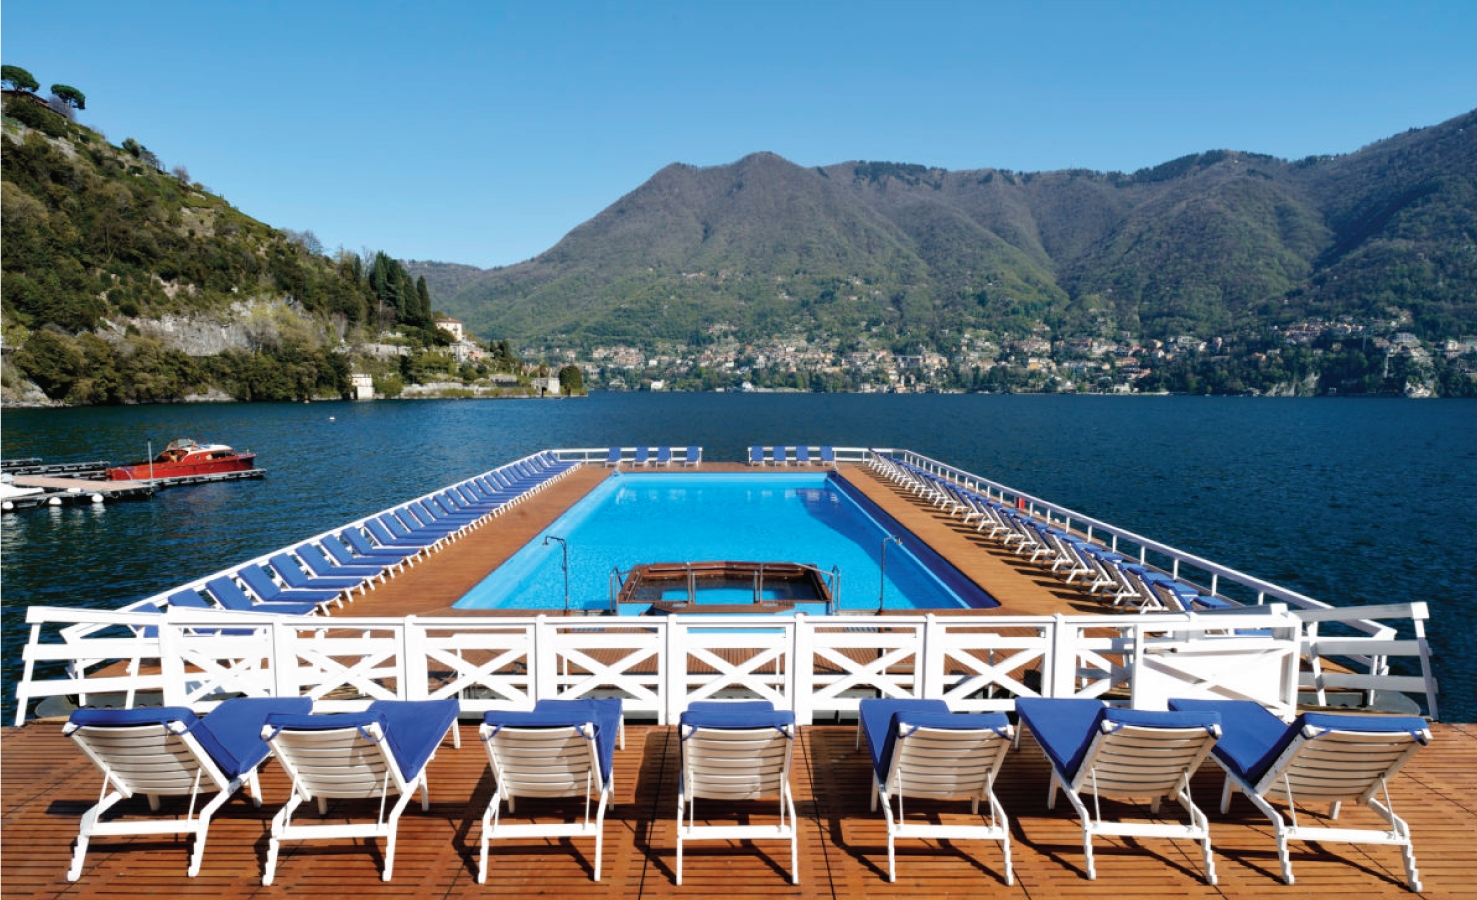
17	79
571	381
98	238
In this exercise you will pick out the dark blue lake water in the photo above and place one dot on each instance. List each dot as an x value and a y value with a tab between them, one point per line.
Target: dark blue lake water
1349	501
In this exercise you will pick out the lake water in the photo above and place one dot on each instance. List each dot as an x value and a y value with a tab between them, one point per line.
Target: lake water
1349	501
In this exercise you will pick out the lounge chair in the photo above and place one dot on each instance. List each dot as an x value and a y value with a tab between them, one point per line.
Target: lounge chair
381	531
321	566
663	456
643	456
226	592
828	456
802	455
1319	758
292	575
269	591
563	748
693	457
168	751
756	456
1121	754
372	754
359	545
614	459
735	751
920	749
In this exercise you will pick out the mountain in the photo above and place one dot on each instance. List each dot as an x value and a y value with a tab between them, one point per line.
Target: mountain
1202	245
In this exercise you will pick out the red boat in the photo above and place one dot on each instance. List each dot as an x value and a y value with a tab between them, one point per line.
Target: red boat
185	457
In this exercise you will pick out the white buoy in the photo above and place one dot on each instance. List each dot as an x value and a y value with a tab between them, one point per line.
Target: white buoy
7	506
97	498
332	419
54	501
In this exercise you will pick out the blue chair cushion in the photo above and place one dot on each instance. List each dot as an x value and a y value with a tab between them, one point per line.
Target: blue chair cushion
230	736
605	714
735	714
1065	728
876	717
1254	738
412	728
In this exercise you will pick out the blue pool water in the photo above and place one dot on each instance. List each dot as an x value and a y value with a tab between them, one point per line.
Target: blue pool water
813	518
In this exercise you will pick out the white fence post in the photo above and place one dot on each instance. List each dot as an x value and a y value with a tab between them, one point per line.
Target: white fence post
801	680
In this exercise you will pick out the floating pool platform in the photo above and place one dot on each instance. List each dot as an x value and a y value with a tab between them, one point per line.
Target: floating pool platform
722	588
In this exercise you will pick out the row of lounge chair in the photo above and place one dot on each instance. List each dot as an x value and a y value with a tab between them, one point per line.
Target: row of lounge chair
735	751
1127	583
797	456
315	575
661	457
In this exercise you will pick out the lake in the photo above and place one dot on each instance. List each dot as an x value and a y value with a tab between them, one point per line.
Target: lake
1348	501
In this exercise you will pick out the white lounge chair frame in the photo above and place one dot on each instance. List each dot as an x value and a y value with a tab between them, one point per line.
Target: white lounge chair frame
157	760
728	764
352	762
945	764
1331	766
544	761
1117	766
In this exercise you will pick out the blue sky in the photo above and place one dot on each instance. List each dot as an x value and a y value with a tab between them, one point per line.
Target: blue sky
482	132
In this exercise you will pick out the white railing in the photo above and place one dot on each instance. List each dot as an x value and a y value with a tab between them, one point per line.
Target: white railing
817	666
1171	560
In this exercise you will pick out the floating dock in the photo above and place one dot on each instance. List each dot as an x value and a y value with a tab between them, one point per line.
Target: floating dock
72	484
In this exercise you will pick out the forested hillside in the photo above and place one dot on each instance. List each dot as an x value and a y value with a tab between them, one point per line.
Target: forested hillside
123	282
1208	245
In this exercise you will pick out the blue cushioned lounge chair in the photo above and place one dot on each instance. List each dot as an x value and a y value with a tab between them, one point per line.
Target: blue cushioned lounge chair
664	456
229	595
802	455
693	457
614	458
756	456
385	537
367	755
732	752
1122	754
1319	758
643	456
268	591
360	546
920	749
563	748
321	566
828	456
292	575
168	751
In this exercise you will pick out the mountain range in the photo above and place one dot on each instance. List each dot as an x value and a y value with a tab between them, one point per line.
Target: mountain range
1208	244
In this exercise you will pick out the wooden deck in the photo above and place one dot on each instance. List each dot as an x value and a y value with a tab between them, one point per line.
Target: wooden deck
48	783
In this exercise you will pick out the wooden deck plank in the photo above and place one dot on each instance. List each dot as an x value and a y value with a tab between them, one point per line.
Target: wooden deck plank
47	784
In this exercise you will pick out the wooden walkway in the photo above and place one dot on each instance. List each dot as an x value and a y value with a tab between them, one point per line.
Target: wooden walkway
48	783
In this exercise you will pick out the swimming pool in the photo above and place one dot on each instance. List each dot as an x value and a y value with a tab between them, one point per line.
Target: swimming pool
637	517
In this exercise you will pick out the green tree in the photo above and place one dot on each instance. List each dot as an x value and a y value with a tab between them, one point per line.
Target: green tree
18	79
70	96
52	360
571	380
